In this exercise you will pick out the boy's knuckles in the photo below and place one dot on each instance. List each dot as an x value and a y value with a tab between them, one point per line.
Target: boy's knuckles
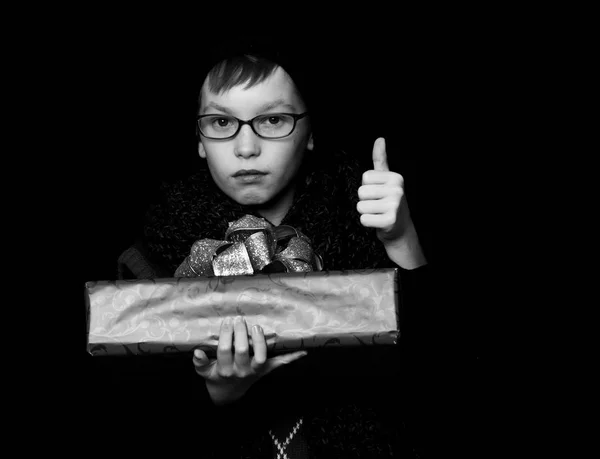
397	179
366	192
373	177
225	348
393	205
225	372
242	350
396	192
244	373
259	361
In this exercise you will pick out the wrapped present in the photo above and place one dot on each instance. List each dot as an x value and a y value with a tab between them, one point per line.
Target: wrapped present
295	309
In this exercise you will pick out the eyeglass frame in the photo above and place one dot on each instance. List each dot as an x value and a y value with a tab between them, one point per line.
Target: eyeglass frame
249	122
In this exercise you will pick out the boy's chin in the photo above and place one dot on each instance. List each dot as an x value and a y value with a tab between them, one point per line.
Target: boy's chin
250	199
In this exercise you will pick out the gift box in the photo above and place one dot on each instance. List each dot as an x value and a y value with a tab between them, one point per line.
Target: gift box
297	310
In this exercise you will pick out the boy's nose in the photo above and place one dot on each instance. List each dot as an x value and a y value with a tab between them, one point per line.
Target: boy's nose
247	143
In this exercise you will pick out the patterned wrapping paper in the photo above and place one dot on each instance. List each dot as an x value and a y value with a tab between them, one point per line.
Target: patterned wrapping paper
295	310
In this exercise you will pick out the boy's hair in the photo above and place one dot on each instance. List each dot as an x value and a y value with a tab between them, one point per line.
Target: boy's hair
237	70
251	67
244	69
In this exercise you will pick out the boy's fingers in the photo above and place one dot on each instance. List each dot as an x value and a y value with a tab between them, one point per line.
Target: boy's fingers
374	177
379	155
276	362
260	347
368	192
242	347
374	206
225	348
377	220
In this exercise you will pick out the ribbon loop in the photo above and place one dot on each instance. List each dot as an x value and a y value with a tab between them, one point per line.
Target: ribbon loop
252	245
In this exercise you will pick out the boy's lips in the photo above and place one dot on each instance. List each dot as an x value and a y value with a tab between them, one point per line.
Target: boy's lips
249	176
248	172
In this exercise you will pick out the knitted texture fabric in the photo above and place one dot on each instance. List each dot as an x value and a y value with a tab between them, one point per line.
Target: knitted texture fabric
324	209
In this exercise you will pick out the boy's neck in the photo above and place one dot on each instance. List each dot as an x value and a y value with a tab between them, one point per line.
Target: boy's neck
277	209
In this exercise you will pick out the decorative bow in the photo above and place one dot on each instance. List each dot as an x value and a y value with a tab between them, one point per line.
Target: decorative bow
252	245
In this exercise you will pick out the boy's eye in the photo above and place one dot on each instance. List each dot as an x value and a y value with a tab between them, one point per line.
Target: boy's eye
274	125
267	121
274	119
222	122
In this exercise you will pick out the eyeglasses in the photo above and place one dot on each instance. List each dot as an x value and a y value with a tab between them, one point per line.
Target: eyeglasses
269	126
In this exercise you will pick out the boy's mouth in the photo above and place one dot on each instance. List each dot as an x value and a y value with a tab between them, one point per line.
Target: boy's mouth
248	172
249	176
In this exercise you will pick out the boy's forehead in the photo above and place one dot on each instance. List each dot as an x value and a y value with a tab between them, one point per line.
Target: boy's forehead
276	90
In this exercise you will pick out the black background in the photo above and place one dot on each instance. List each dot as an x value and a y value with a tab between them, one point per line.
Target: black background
138	101
130	125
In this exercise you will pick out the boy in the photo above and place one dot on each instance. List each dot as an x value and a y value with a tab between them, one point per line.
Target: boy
255	163
257	139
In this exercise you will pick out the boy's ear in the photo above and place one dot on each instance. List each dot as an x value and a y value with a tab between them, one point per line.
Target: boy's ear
201	150
311	143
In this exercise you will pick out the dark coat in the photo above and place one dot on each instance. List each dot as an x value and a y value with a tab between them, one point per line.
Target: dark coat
355	402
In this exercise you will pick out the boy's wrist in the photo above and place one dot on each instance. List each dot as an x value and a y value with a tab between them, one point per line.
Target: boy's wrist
406	251
222	395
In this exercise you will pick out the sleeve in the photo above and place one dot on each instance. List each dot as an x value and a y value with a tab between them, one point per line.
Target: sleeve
415	298
427	334
134	263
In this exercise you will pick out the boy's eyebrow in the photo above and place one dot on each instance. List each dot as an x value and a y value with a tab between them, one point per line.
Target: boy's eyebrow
275	103
218	107
263	108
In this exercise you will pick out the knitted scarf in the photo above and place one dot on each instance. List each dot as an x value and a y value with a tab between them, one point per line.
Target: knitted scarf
324	209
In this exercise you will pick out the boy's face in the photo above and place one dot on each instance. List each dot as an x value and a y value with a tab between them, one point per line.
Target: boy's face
277	160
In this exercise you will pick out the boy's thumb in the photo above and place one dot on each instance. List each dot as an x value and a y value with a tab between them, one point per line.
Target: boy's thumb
200	359
380	155
276	362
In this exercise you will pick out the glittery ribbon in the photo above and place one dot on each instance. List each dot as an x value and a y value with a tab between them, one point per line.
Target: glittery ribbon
251	245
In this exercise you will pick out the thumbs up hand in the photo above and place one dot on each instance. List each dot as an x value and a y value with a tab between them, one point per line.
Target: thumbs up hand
382	205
